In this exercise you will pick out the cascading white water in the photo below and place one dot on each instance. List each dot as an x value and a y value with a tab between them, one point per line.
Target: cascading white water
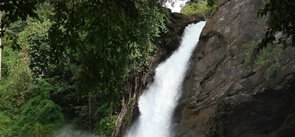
158	102
175	5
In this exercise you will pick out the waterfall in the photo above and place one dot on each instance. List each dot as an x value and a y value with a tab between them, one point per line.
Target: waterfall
158	102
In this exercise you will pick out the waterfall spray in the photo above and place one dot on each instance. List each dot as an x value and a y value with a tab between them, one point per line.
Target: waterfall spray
159	100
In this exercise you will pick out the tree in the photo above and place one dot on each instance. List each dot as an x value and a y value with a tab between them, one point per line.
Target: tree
281	18
11	11
86	50
1	45
109	40
108	36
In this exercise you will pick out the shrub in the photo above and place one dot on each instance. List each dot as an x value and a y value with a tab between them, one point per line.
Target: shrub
265	58
212	3
196	8
106	126
17	83
249	53
5	125
39	116
271	70
267	55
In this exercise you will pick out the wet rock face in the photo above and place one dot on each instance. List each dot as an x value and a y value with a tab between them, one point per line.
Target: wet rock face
223	96
268	114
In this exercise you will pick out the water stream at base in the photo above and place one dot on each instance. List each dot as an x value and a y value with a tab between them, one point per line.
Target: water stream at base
159	100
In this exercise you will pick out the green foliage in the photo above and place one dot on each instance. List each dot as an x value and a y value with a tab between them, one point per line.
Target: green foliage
249	53
18	83
212	3
267	58
267	55
213	9
108	47
281	18
206	7
108	43
28	110
77	55
106	126
34	114
196	8
271	70
128	116
40	116
5	125
34	39
15	10
264	57
11	57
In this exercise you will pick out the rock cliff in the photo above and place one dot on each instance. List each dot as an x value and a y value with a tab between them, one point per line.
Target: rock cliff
226	97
